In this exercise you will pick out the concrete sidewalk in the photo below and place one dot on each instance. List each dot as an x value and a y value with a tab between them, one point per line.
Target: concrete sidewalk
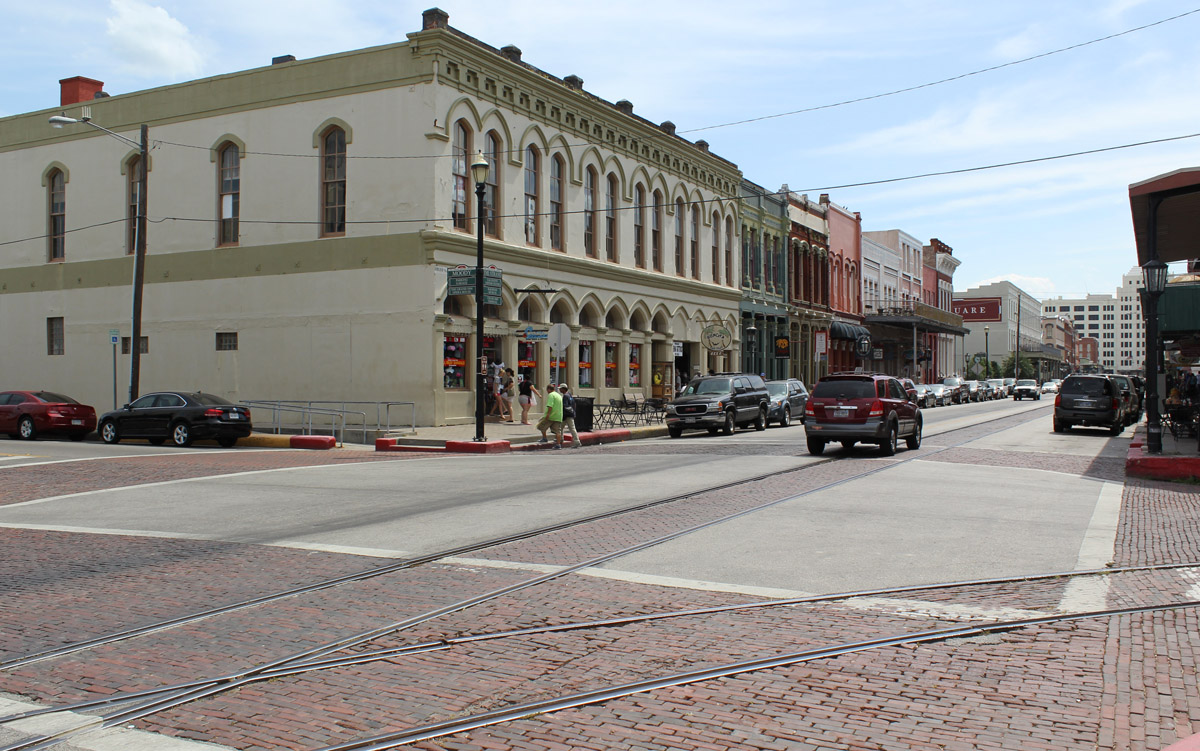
1179	460
503	437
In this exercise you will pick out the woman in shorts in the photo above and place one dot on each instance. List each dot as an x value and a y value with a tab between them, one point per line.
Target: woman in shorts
527	393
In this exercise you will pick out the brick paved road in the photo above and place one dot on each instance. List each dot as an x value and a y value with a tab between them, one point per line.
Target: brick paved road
1095	684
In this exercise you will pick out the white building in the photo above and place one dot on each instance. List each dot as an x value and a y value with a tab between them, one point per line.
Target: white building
1019	322
303	215
1113	320
891	269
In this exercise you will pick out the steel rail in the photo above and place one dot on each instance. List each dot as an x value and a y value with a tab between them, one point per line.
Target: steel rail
427	732
232	680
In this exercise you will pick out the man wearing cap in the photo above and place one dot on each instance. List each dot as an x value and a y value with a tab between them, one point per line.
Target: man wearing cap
552	417
569	415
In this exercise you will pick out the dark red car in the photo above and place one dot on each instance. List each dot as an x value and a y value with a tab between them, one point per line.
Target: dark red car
862	408
26	414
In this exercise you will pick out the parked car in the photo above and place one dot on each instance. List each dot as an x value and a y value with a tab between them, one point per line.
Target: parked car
719	402
1050	387
941	394
27	414
987	392
910	388
1008	385
959	391
179	416
926	399
974	394
1132	400
998	390
861	407
788	397
1091	400
1026	388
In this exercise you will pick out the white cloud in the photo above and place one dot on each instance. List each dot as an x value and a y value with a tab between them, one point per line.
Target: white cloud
150	42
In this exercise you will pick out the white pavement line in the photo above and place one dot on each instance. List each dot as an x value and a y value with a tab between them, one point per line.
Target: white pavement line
107	531
1096	551
114	739
136	456
347	549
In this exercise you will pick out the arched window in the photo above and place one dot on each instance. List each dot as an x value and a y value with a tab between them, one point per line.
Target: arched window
532	179
589	213
656	227
491	194
745	256
716	248
679	267
57	215
639	227
333	182
694	242
229	190
610	219
133	174
729	277
461	155
557	168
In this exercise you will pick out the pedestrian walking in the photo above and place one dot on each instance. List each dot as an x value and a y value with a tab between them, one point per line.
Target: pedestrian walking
569	415
527	393
505	393
552	418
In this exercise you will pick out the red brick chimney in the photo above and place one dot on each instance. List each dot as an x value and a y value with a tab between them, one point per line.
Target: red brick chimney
79	89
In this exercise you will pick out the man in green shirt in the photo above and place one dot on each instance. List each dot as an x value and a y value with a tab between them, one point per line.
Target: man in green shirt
552	418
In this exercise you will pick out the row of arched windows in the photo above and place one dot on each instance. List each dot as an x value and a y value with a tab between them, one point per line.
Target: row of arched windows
601	212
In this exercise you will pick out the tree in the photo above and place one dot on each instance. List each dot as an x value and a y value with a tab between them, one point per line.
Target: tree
1027	370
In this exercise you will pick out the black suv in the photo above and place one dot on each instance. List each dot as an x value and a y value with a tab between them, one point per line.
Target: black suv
719	402
862	407
1092	400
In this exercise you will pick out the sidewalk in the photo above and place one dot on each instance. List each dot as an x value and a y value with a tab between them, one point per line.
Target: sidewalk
1179	460
503	437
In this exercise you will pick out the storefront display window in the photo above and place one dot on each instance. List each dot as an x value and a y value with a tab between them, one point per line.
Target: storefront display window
610	364
585	365
558	369
454	362
635	365
527	361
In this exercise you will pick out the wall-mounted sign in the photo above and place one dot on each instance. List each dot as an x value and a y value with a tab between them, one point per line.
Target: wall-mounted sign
820	339
982	309
677	349
783	348
862	346
716	338
877	353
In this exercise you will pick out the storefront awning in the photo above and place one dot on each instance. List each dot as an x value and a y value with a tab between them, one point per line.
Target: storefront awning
1166	216
848	331
1179	310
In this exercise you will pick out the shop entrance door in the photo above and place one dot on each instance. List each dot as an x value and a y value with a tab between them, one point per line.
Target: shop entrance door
662	383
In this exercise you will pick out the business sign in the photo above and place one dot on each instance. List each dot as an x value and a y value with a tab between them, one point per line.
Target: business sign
530	334
716	338
862	346
461	281
819	341
977	309
783	348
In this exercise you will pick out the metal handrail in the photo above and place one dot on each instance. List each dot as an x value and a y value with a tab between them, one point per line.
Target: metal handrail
308	412
383	411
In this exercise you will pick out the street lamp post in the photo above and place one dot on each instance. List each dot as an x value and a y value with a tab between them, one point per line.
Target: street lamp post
987	354
751	335
479	172
139	252
1154	272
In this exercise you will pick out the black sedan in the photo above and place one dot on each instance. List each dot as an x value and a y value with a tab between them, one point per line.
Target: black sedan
180	416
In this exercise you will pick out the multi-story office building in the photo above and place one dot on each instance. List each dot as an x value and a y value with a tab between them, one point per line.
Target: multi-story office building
1114	321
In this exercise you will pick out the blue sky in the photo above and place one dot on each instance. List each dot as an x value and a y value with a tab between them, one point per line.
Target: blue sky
1055	228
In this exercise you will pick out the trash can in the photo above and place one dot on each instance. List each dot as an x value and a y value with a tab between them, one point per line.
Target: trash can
584	414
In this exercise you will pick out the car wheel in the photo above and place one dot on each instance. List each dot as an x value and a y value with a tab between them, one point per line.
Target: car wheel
727	429
77	436
181	434
848	445
914	440
26	428
816	446
760	422
108	432
888	446
786	420
674	432
156	441
1116	428
226	443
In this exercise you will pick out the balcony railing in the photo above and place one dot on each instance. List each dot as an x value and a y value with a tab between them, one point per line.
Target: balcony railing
911	309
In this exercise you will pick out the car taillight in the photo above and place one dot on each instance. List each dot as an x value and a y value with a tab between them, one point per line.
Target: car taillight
876	409
808	409
1116	403
246	412
54	413
213	412
1058	400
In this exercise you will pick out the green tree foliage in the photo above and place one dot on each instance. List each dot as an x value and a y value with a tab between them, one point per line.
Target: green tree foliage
1027	369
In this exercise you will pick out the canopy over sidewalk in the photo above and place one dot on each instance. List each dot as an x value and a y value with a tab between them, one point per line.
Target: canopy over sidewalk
1166	216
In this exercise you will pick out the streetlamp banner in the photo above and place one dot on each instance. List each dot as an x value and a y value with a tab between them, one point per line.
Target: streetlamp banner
977	309
783	347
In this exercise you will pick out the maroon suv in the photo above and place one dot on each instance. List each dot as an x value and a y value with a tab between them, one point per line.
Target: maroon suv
861	407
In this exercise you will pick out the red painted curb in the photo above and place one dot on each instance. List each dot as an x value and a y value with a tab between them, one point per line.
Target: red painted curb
478	447
1191	743
1140	464
313	442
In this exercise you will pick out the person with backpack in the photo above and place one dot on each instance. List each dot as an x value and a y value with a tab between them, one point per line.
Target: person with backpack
569	415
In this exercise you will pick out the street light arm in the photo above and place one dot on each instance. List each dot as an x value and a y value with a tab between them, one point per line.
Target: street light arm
57	121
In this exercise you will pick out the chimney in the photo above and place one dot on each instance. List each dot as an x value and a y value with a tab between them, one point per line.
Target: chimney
78	89
283	59
511	52
434	18
824	198
667	127
702	145
625	106
574	82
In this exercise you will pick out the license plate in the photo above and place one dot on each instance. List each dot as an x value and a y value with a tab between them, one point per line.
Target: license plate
234	416
841	413
1085	403
689	419
77	422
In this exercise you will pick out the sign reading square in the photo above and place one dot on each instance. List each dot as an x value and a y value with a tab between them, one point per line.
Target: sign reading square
977	309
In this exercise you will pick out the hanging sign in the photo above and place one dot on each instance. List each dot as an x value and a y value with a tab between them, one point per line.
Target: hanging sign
820	339
783	347
714	337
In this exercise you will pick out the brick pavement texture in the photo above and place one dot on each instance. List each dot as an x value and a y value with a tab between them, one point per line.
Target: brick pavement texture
1112	684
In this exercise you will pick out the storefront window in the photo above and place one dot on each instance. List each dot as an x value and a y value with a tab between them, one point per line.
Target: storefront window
585	365
527	361
610	364
454	362
635	365
558	369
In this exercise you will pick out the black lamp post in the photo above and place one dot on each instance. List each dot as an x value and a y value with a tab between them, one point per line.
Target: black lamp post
479	173
1154	272
139	251
751	335
987	354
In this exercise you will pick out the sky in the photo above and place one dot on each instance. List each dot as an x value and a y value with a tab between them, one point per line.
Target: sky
1054	227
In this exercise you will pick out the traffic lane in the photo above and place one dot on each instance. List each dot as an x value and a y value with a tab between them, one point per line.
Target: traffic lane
940	420
1038	436
51	448
415	506
917	522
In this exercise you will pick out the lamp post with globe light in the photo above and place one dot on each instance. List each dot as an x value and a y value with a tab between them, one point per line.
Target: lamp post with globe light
479	173
139	251
1154	273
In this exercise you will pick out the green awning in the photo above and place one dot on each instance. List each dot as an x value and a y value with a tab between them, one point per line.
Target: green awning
1179	310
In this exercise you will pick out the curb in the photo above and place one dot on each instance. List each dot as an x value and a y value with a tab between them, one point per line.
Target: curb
594	438
1138	463
270	440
